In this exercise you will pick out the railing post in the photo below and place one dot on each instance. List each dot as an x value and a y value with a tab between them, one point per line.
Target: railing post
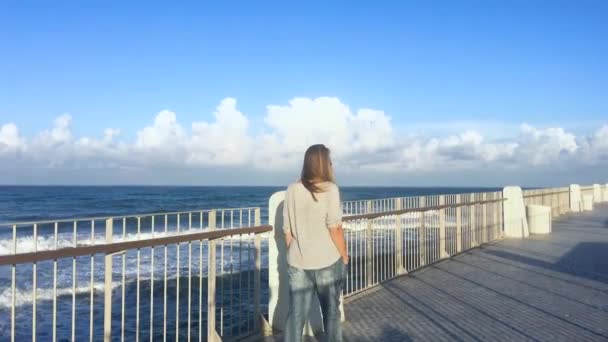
422	233
554	207
257	273
442	250
484	220
495	223
399	253
369	253
369	207
473	237
211	278
458	225
107	291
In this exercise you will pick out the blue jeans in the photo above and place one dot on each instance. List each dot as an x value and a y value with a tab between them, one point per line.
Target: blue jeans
327	284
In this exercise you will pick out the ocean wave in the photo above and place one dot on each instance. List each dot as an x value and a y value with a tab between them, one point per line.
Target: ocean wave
25	296
45	242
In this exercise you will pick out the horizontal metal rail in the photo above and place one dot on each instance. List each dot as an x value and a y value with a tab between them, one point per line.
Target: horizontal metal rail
117	247
558	199
546	194
100	218
351	218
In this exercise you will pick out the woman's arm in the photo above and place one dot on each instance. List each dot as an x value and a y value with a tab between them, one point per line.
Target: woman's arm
286	219
337	236
334	222
288	238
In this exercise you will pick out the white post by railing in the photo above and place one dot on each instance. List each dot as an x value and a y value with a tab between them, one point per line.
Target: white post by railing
399	252
369	253
496	226
514	210
484	220
258	318
473	230
211	281
442	250
554	203
422	232
107	291
597	193
458	225
575	198
278	303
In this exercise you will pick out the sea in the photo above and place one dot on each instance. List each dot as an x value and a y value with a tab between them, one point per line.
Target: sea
145	286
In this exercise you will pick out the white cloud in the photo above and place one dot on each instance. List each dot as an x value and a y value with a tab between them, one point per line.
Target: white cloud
595	147
223	142
543	146
165	132
110	133
59	134
303	122
362	139
10	138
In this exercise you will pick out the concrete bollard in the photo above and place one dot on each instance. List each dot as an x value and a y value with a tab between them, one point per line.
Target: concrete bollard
588	202
575	198
515	222
539	219
278	304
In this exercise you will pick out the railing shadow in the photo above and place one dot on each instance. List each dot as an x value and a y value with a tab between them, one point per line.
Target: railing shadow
587	259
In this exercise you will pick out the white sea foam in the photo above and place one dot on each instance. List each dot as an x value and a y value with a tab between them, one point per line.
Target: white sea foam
44	242
45	276
25	296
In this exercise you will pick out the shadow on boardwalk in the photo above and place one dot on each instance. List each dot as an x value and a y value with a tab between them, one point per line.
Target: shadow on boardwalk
544	288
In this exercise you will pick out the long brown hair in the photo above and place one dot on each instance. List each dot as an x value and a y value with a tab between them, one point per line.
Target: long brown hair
317	168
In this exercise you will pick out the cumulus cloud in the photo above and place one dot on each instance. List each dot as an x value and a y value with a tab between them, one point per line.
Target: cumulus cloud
595	147
225	141
304	121
10	138
542	146
361	139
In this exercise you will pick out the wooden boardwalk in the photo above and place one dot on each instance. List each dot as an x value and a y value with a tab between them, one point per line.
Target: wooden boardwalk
543	288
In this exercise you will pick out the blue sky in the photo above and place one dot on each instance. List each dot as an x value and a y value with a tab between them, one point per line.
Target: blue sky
436	68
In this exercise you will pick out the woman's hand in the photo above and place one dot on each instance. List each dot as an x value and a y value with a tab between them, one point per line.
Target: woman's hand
346	260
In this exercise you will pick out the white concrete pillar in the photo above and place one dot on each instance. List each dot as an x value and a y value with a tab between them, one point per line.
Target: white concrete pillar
576	204
278	306
514	210
277	266
597	193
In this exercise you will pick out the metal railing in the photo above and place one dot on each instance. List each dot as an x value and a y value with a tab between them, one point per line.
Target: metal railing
418	231
359	207
556	198
192	275
166	276
587	191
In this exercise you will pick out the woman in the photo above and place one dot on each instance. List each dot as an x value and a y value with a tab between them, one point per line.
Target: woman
317	255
